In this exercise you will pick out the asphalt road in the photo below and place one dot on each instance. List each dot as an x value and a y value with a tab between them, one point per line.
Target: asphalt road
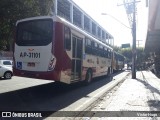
26	94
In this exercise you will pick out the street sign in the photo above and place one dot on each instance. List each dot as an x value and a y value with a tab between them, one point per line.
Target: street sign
125	45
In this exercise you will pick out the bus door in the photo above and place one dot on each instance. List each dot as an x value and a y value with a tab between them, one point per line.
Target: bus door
76	58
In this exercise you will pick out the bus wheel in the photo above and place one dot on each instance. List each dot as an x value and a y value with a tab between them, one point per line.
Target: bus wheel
88	77
109	71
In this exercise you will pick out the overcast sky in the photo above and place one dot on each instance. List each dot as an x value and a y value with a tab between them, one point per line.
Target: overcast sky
120	32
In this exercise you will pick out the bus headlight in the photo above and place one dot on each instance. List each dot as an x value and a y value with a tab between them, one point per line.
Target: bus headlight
52	63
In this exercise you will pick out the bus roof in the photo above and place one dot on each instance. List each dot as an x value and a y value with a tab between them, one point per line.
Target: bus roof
34	18
83	32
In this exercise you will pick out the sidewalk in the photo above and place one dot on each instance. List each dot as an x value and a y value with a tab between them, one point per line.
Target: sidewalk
141	94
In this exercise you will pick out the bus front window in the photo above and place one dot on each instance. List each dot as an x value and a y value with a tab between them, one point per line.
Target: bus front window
35	32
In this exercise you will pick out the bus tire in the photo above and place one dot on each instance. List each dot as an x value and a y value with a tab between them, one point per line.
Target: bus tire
109	71
88	78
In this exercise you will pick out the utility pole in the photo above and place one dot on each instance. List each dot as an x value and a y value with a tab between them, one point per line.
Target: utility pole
130	6
134	42
138	44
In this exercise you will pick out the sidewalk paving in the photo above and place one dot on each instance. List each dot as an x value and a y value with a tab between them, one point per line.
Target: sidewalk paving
141	94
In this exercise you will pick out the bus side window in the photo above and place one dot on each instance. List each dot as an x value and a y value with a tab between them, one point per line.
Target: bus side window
104	52
95	48
101	50
109	53
92	45
67	38
98	50
88	46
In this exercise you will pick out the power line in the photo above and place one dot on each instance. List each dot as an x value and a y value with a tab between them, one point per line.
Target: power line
116	20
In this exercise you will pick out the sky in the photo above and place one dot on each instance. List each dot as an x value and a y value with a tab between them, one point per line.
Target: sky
116	21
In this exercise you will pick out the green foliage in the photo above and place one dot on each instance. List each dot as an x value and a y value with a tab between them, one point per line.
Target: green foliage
141	58
116	48
127	52
13	10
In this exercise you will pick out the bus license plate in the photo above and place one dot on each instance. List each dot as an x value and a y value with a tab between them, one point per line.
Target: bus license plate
31	64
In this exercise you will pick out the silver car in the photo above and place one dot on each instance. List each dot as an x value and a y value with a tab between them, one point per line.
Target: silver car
6	69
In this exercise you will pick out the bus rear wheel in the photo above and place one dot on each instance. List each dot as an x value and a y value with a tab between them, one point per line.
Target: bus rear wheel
88	78
109	71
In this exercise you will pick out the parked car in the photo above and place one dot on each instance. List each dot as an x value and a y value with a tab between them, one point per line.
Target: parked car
6	69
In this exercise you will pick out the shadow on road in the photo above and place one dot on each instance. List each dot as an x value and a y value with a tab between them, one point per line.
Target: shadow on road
2	78
153	104
48	97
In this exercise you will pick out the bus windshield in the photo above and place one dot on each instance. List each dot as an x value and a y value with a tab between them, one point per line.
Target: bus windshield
34	32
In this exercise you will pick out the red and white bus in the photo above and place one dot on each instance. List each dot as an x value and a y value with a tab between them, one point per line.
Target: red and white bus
52	48
66	47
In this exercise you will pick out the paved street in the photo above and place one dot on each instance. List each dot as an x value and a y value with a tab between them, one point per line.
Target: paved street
26	94
17	83
133	95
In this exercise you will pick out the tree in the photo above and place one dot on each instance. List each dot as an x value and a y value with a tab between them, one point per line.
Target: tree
142	56
13	10
116	48
127	52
